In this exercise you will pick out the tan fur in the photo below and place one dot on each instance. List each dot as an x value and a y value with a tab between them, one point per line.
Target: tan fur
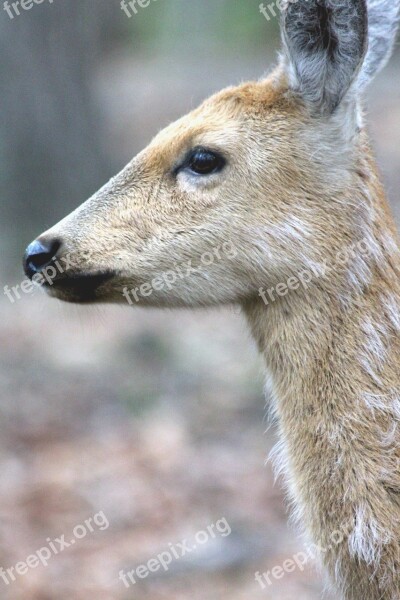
297	190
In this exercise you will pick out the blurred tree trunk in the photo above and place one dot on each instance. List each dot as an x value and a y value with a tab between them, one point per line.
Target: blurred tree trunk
51	142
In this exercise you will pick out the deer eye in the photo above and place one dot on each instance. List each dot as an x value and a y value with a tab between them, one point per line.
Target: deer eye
205	162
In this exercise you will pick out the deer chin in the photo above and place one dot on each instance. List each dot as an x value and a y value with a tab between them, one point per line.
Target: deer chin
82	288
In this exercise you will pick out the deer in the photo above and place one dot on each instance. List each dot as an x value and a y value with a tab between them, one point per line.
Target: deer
282	170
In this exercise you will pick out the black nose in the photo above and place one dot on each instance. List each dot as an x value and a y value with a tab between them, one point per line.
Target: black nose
39	255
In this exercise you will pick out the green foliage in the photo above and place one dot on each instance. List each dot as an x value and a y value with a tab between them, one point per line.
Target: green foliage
168	25
243	21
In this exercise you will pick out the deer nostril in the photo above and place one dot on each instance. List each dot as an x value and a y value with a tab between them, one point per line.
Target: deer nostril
39	254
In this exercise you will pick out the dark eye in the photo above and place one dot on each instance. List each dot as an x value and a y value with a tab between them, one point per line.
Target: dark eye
205	162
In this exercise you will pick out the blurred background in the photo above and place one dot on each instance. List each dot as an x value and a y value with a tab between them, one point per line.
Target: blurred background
155	418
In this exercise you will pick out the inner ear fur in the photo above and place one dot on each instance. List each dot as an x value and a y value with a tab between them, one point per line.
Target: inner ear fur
325	44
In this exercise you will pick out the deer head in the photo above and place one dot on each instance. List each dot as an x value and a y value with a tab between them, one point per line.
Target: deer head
258	179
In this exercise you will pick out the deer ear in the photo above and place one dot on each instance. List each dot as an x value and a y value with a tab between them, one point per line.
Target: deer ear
325	42
383	22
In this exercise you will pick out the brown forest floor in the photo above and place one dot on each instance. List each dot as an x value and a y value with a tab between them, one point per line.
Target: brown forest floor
154	419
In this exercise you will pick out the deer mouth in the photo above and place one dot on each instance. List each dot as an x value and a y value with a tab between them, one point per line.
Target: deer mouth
82	288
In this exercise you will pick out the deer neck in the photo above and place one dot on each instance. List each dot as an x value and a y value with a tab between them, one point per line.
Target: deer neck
332	355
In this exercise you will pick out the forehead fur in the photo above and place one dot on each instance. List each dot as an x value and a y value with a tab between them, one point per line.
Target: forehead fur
220	120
